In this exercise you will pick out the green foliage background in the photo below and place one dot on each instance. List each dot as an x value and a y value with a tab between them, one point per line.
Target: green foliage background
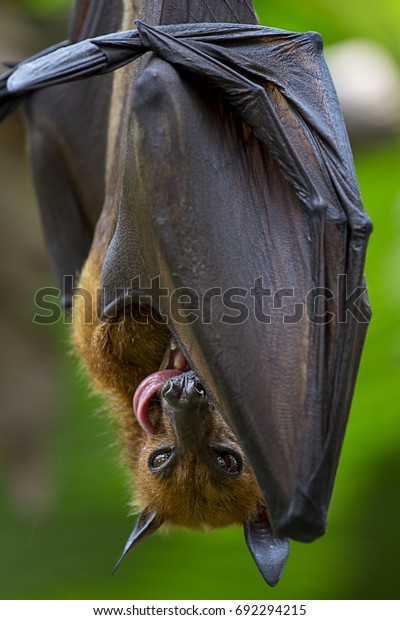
70	554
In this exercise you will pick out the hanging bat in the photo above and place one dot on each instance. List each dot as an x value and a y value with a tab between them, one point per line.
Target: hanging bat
206	195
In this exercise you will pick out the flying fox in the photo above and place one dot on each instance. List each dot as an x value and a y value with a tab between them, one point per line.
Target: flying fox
194	172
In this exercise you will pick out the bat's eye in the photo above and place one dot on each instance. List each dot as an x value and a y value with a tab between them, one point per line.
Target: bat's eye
199	388
230	463
158	460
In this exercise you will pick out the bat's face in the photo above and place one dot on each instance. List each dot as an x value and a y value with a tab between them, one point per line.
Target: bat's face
191	469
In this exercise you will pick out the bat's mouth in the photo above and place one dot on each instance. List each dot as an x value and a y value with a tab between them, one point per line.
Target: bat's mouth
173	364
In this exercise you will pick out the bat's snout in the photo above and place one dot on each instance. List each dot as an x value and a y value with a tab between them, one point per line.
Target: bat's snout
184	391
185	402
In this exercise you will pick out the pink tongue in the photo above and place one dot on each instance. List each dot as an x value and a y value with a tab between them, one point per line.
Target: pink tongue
145	391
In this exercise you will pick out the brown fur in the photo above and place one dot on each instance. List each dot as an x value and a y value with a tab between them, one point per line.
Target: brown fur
118	356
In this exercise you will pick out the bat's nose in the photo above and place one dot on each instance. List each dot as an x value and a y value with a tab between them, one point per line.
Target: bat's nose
185	389
184	401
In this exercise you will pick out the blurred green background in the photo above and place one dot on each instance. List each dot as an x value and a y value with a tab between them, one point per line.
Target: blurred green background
64	498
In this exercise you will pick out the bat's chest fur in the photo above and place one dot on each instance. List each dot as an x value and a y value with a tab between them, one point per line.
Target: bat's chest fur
187	466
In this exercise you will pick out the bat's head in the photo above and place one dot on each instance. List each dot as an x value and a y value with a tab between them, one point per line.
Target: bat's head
190	469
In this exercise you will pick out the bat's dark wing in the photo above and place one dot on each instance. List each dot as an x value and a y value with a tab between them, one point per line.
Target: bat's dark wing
243	185
239	191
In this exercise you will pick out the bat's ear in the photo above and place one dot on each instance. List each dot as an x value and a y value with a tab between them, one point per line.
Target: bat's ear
147	524
269	551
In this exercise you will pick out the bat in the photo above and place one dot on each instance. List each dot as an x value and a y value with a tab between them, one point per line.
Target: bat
206	195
